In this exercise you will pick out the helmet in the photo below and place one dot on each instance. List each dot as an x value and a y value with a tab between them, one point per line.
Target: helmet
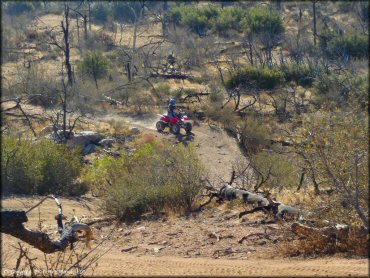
172	101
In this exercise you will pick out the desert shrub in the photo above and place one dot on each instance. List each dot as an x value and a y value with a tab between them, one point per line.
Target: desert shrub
52	55
364	11
100	12
196	19
216	96
315	245
93	65
155	178
203	19
99	41
265	24
260	78
225	115
40	167
141	101
301	74
338	149
352	45
276	168
40	89
229	19
345	7
261	20
17	8
163	90
339	90
126	11
9	39
254	135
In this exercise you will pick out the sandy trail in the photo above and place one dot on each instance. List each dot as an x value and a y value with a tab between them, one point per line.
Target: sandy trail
127	265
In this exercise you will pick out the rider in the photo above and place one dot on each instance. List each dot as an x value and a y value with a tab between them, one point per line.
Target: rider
171	106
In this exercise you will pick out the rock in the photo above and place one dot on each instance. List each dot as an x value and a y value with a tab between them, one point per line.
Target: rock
141	229
106	142
58	135
85	138
135	130
90	148
128	249
158	248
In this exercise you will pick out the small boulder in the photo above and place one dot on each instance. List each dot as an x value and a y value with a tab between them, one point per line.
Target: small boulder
108	142
85	138
90	148
135	130
141	229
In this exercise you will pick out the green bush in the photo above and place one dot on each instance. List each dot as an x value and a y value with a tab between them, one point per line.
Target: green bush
353	45
333	91
94	65
41	167
99	41
260	78
100	12
282	171
260	20
301	74
254	135
125	11
17	8
229	18
154	179
202	19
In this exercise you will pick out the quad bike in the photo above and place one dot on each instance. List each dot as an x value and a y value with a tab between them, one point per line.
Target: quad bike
175	124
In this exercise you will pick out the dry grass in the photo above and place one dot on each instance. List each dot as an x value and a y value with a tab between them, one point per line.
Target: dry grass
146	138
316	245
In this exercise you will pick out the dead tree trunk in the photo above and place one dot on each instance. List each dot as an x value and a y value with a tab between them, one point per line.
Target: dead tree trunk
165	19
85	26
89	4
12	224
65	29
314	22
78	28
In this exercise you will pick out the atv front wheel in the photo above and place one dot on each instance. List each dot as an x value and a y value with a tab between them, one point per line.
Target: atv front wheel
188	127
175	129
160	125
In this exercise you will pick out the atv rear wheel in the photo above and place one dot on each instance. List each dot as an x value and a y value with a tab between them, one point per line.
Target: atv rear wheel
160	125
188	127
175	128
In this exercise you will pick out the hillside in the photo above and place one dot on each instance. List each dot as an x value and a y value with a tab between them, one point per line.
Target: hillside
277	96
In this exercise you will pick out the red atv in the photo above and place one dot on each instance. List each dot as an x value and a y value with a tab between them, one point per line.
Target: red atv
174	123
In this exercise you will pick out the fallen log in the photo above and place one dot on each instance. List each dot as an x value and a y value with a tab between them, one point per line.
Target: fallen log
262	203
171	75
193	95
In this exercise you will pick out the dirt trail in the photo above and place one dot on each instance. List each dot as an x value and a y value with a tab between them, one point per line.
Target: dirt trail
128	265
216	149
